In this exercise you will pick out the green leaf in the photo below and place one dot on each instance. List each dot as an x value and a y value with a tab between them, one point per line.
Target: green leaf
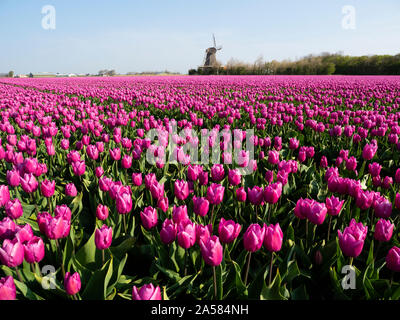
96	289
272	292
87	254
370	258
218	271
26	292
120	250
169	273
240	287
118	267
257	284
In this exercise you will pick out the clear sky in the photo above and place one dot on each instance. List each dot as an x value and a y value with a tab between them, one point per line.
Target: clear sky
154	35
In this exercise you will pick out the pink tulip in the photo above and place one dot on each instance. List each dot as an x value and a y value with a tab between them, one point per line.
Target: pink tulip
215	193
147	292
382	208
273	192
12	253
228	230
200	206
4	195
7	288
317	213
14	209
253	238
137	179
393	259
241	194
13	178
72	283
179	214
181	189
163	204
78	167
124	203
234	177
217	172
351	241
255	195
103	237
203	232
34	250
149	217
273	157
383	230
186	234
273	237
168	231
70	190
334	205
211	251
47	188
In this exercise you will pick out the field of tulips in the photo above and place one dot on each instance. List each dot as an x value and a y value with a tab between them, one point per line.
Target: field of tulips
86	214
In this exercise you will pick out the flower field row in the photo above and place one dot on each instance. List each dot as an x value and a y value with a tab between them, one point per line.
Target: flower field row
224	187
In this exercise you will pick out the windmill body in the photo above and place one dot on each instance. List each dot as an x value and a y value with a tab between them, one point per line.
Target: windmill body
210	59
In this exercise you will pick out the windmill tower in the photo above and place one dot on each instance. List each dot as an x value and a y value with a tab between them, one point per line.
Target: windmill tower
210	60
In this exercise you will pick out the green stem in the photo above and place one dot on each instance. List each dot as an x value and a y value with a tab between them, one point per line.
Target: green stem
19	275
60	254
270	268
247	269
124	219
212	214
329	228
215	283
185	267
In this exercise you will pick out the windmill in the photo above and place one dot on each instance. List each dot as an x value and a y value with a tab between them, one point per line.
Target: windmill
210	60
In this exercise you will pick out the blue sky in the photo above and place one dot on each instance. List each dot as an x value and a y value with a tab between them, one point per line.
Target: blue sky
154	35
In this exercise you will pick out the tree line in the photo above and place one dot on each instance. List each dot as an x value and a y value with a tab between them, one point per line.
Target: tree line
323	64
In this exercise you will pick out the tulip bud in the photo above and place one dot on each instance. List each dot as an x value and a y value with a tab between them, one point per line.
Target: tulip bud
103	237
181	189
234	177
215	193
179	214
253	238
212	251
99	171
186	234
47	188
124	203
137	179
4	195
383	230
393	259
149	217
200	206
168	231
14	209
72	283
147	292
273	237
351	241
241	194
228	230
256	195
70	190
12	253
7	288
34	250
